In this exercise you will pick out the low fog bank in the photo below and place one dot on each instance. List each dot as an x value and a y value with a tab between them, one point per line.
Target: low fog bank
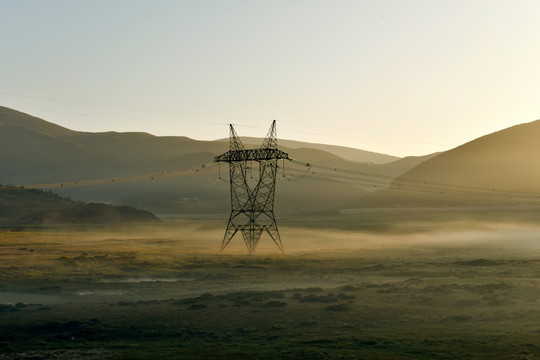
197	237
468	289
177	250
493	239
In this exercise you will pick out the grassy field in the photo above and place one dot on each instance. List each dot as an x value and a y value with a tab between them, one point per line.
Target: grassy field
168	293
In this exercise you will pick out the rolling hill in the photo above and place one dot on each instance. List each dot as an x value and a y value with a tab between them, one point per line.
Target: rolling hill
15	203
89	214
496	169
34	151
24	207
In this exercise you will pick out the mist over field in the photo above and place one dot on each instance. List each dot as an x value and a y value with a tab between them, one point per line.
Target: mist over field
380	260
167	291
269	180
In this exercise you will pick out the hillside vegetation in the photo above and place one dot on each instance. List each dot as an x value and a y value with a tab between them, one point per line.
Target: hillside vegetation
24	207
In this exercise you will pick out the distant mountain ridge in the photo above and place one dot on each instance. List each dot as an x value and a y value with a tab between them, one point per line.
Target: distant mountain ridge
34	151
347	153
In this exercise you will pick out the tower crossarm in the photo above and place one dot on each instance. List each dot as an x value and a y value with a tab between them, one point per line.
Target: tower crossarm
251	155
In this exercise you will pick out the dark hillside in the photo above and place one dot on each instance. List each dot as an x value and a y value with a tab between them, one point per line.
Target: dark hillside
89	214
23	207
35	157
15	203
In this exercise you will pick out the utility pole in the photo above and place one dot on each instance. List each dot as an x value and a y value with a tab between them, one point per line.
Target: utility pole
252	194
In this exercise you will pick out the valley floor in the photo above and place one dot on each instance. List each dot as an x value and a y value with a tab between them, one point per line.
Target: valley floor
168	293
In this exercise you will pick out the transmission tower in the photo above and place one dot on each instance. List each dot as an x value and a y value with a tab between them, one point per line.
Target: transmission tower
252	193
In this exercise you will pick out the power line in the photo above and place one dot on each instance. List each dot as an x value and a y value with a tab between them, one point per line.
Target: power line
368	178
135	118
121	117
415	185
317	173
348	129
130	108
363	131
361	138
201	170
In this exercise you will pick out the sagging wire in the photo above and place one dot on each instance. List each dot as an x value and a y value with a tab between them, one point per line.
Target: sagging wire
203	169
378	181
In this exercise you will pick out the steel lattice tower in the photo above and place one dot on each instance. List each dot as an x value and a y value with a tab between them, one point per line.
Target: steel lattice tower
252	195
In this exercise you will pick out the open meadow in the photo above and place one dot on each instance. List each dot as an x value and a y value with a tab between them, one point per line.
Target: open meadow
166	292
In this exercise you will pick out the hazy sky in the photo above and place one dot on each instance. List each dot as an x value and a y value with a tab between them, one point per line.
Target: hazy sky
398	77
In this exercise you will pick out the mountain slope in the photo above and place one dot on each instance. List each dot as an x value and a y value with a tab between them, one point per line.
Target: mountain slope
33	151
28	156
489	170
10	117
